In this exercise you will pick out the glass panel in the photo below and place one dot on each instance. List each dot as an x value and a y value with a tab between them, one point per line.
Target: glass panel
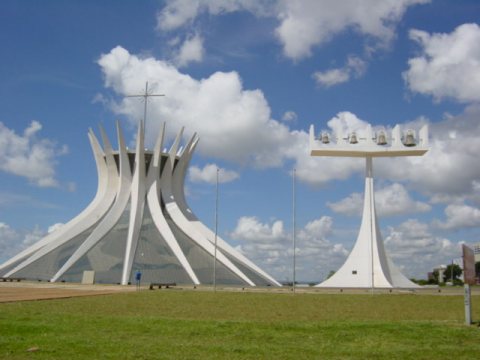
48	265
106	257
10	267
154	258
254	276
202	262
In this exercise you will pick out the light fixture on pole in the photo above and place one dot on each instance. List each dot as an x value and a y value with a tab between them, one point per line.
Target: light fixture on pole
368	265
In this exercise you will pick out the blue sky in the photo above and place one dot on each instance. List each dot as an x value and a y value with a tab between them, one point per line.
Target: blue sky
250	77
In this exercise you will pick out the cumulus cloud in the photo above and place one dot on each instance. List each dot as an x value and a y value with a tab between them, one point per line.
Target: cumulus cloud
446	171
459	216
331	77
209	174
306	24
178	13
389	201
302	24
290	116
270	244
191	51
12	241
54	227
448	66
354	67
233	123
29	156
414	248
319	170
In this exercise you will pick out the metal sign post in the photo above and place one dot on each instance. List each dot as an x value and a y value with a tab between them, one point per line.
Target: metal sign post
468	305
469	277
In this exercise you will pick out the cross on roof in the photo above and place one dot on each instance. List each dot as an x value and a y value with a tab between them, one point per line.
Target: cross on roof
145	97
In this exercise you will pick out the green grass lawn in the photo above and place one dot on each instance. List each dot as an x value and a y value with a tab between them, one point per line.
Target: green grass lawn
175	324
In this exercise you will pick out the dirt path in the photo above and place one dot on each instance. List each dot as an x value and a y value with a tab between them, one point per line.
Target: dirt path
27	291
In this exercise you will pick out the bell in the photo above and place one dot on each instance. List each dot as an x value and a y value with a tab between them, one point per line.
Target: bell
353	138
325	138
410	138
381	138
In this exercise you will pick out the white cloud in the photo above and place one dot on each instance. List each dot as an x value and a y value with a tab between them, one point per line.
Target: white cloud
290	116
331	77
389	201
233	123
318	170
209	174
306	24
447	170
54	227
459	216
13	241
178	13
354	67
351	205
302	24
448	66
29	156
270	246
445	173
191	51
414	248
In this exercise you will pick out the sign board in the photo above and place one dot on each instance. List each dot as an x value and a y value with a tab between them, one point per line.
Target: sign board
468	265
88	277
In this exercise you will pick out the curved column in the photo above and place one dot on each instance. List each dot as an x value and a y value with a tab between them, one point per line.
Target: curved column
178	185
368	265
182	222
153	200
136	207
112	217
380	273
106	190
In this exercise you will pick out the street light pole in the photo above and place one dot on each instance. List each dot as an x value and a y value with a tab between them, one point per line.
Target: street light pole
293	230
216	232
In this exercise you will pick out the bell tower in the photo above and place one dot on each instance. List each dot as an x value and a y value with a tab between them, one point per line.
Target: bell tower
368	265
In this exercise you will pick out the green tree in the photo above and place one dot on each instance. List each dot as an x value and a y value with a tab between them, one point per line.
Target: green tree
457	271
